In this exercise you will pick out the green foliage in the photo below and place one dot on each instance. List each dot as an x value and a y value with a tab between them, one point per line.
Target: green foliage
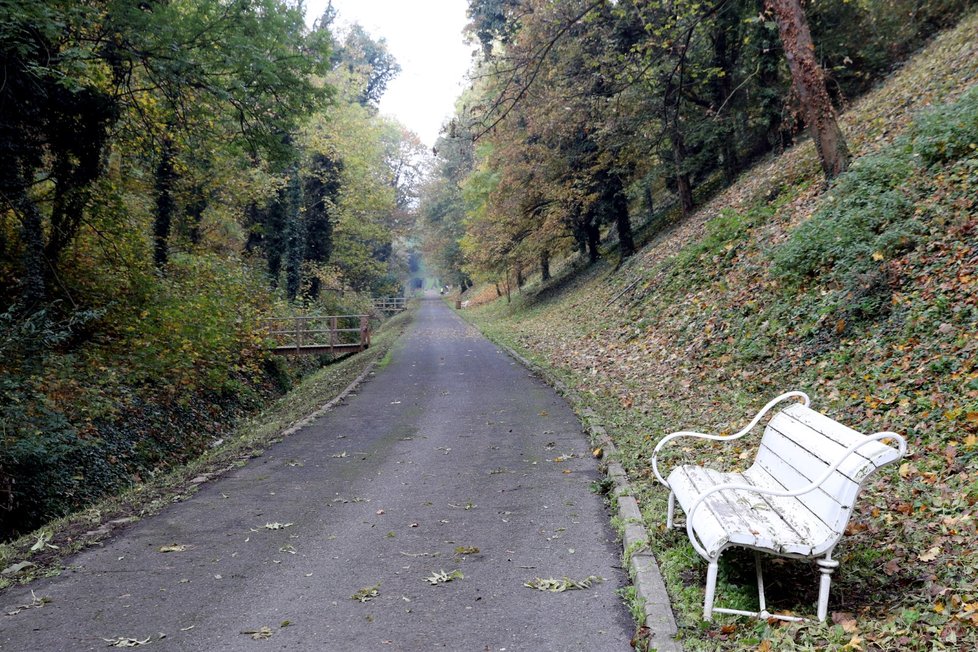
709	256
948	132
41	453
200	330
868	217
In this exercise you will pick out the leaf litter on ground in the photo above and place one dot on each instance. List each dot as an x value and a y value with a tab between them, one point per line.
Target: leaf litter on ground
441	577
553	585
367	593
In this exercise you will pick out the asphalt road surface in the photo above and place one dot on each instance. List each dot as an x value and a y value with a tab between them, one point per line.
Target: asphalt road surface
451	458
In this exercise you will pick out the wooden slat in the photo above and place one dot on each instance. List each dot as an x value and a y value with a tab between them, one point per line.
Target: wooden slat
745	518
799	445
876	452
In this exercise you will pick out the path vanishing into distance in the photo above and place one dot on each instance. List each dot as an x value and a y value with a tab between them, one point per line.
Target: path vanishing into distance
452	457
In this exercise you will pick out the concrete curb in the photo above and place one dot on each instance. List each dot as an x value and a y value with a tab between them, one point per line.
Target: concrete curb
643	567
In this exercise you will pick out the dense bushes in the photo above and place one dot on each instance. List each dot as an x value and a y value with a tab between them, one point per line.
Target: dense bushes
868	217
93	401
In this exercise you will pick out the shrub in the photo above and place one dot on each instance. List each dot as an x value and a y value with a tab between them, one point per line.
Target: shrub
200	330
866	216
949	132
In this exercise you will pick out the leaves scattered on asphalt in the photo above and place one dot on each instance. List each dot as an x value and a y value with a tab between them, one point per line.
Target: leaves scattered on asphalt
367	593
259	634
564	584
36	603
441	577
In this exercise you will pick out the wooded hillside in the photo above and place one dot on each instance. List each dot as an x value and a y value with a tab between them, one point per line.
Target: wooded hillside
861	292
171	173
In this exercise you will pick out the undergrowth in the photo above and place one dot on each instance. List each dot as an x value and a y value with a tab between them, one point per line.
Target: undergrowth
41	552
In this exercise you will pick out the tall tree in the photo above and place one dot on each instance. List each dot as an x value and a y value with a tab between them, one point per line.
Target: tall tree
808	79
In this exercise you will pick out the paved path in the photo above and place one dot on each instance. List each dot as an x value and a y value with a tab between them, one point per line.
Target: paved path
450	445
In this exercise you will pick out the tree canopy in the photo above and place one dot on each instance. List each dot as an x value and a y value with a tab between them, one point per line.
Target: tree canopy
588	119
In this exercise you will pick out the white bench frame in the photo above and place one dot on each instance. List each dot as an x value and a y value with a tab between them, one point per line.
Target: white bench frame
826	564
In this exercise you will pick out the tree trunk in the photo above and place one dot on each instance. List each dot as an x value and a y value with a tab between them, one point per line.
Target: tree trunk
194	213
684	188
593	239
295	243
725	55
32	234
809	82
623	223
165	204
649	200
545	265
520	281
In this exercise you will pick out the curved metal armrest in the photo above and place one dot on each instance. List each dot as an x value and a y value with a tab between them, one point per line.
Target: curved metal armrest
698	435
814	484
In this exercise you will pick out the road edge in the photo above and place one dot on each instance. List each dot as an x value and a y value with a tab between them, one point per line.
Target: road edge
643	567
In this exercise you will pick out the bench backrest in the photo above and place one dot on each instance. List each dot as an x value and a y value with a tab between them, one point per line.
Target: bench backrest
800	444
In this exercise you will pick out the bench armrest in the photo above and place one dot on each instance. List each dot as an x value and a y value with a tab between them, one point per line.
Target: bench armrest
901	448
698	435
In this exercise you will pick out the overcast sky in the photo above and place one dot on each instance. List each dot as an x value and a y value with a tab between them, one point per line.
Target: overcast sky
425	36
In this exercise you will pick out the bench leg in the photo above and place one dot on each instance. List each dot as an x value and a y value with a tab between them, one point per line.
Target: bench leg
711	589
671	511
826	565
761	600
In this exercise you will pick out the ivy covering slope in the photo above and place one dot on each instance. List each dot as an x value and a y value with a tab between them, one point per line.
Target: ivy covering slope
864	295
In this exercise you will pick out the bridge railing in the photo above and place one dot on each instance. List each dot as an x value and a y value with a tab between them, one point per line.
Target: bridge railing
318	333
390	304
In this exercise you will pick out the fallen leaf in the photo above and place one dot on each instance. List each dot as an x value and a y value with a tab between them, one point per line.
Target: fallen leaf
847	621
441	577
124	641
13	569
559	586
174	547
367	593
930	555
259	634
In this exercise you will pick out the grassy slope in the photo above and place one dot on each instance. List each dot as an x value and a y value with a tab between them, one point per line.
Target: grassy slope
60	538
696	331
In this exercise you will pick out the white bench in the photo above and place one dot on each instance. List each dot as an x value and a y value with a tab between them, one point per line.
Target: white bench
794	501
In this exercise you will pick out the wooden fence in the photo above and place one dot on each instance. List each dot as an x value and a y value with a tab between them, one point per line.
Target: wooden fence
310	334
390	304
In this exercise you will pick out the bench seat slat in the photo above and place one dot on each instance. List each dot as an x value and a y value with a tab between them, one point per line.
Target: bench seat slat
814	452
780	525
